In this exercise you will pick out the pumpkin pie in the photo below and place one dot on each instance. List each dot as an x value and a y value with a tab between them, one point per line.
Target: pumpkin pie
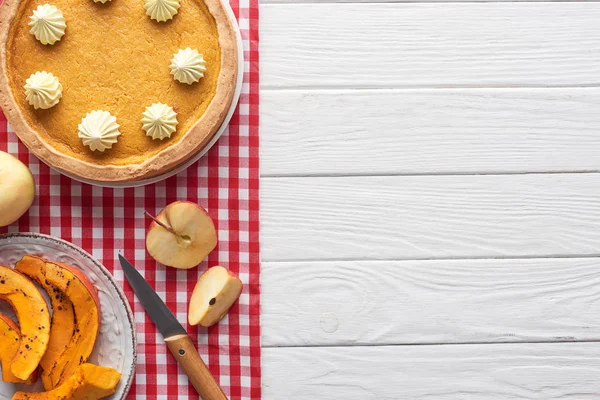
115	58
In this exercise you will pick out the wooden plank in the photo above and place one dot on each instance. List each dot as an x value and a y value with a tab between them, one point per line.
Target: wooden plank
511	371
429	131
427	217
430	45
387	1
417	302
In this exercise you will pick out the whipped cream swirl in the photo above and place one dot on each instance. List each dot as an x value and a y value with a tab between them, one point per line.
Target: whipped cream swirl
99	130
188	66
47	24
43	90
159	121
161	10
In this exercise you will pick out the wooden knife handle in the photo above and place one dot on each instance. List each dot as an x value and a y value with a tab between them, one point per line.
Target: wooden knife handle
187	356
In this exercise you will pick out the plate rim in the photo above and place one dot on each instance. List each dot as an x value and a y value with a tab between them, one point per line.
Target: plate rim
111	279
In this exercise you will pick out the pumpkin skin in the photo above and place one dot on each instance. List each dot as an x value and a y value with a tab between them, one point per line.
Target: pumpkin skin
34	320
84	297
10	338
89	382
62	323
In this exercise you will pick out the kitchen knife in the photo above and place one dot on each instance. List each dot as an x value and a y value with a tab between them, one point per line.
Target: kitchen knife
176	338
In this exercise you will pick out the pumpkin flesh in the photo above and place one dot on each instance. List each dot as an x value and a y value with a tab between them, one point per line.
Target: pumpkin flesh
89	382
10	338
34	320
62	323
83	296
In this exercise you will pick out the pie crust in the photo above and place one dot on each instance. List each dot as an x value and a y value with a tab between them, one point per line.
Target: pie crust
177	152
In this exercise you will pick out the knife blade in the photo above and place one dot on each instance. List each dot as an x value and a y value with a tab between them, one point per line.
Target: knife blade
158	311
175	336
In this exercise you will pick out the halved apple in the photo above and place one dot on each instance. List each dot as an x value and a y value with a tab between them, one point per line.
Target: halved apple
214	294
34	320
182	235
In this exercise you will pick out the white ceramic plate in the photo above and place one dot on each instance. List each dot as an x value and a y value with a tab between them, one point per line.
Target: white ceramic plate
116	345
183	167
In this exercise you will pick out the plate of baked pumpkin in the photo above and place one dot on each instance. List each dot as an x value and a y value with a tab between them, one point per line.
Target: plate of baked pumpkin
66	328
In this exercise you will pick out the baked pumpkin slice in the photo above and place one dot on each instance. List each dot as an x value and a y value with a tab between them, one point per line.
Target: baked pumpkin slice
10	338
86	307
34	320
62	323
89	382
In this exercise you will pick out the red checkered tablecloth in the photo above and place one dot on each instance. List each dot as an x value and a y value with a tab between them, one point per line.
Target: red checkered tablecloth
107	221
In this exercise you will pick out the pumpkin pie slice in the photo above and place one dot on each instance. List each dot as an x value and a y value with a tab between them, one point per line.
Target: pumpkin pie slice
117	60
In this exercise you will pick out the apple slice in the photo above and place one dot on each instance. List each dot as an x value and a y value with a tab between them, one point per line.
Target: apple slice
181	236
214	294
17	189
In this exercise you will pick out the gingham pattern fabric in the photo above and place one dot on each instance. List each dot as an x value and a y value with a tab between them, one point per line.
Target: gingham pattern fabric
107	221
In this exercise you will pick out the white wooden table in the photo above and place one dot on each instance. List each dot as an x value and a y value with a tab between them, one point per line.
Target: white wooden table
430	200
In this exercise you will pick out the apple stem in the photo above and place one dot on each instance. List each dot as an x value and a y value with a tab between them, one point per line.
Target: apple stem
167	227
